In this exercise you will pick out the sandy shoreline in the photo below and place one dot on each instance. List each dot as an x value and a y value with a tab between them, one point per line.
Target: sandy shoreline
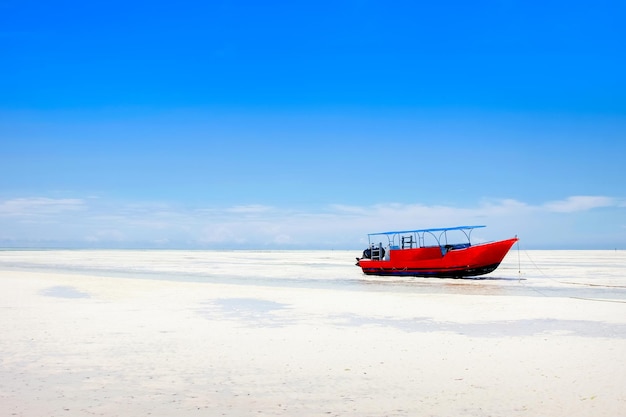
81	345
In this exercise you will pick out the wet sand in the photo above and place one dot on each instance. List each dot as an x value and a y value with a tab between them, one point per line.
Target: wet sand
83	345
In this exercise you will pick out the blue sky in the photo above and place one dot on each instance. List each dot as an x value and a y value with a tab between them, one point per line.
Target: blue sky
238	124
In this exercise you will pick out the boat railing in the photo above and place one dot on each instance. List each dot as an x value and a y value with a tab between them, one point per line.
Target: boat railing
424	238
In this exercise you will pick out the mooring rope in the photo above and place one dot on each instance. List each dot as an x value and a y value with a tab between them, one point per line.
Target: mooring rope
519	262
598	299
574	283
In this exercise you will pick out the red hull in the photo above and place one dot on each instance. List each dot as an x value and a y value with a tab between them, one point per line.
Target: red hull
437	261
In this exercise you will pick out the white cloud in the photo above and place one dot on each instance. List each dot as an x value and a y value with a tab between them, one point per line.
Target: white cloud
249	209
96	221
106	235
579	203
39	206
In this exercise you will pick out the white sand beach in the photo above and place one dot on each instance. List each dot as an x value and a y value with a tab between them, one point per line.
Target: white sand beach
84	342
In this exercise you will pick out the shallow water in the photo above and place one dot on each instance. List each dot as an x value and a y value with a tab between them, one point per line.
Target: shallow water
299	327
597	275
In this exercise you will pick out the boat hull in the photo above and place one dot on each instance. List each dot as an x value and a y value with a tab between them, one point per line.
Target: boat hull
440	262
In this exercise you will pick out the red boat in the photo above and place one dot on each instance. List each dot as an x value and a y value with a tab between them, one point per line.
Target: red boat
427	253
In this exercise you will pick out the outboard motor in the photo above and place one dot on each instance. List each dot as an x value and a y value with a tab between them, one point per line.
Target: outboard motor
375	253
378	252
